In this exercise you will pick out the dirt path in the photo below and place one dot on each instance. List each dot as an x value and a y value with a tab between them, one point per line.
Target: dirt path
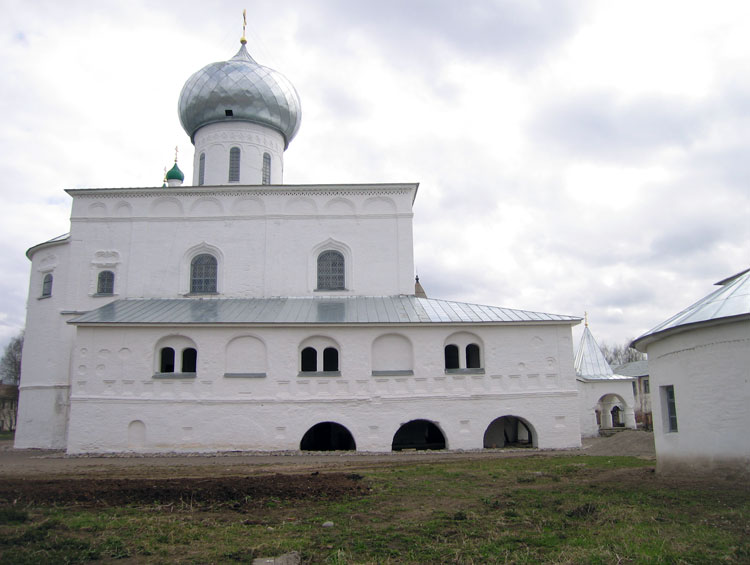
38	464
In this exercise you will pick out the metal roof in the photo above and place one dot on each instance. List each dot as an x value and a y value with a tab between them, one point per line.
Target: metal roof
732	299
590	362
400	309
250	91
633	369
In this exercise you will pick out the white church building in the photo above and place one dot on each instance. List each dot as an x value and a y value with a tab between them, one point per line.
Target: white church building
241	313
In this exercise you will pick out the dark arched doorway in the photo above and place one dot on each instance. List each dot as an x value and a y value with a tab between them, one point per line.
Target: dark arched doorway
327	436
418	434
509	431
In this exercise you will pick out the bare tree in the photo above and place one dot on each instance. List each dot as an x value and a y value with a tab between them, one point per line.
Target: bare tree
10	364
620	354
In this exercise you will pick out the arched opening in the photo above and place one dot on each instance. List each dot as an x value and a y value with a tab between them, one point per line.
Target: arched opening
266	176
509	431
105	283
189	360
327	436
47	285
309	360
611	412
136	434
234	164
331	270
330	359
451	356
203	274
418	434
166	362
202	169
472	356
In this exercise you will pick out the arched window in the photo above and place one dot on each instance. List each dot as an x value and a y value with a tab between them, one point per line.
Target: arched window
105	284
47	285
202	169
330	359
309	360
451	356
234	164
203	274
166	363
189	360
266	168
472	356
331	271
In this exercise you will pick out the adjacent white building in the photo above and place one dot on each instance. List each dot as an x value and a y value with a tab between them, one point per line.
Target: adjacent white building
699	365
606	400
245	314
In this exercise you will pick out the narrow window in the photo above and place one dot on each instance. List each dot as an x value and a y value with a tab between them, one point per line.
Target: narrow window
234	164
266	168
47	285
635	389
331	271
451	357
202	169
189	360
646	388
671	408
309	360
330	359
203	274
166	364
105	284
472	356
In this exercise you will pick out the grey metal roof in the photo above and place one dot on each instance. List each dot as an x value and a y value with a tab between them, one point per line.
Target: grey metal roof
307	310
590	362
633	369
59	239
732	299
252	92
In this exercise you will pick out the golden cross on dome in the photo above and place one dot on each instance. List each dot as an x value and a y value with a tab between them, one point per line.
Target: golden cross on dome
176	150
244	25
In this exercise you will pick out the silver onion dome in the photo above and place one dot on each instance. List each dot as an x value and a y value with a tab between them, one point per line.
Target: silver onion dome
240	90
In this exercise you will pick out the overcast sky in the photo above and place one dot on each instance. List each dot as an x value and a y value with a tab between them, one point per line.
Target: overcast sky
572	155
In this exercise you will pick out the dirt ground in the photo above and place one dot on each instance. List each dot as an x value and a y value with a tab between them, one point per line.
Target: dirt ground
36	476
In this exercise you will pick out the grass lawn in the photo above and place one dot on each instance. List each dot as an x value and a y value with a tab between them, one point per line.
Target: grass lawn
562	509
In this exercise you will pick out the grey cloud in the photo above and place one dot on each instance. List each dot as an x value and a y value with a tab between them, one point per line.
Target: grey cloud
417	33
598	126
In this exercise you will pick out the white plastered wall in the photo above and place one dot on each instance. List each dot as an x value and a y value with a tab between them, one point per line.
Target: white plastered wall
709	367
528	373
591	392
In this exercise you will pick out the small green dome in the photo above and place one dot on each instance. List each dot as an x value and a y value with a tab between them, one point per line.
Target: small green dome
175	173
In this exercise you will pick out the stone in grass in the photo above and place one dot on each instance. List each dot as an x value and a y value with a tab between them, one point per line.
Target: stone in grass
292	558
328	524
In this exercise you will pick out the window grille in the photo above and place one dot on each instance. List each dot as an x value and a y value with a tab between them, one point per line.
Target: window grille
47	285
202	169
266	168
234	164
331	271
671	408
203	274
105	283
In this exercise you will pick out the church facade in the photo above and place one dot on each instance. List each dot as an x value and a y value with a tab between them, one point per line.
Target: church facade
245	314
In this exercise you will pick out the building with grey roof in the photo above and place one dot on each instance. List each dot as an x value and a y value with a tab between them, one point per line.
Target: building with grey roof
699	365
242	313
